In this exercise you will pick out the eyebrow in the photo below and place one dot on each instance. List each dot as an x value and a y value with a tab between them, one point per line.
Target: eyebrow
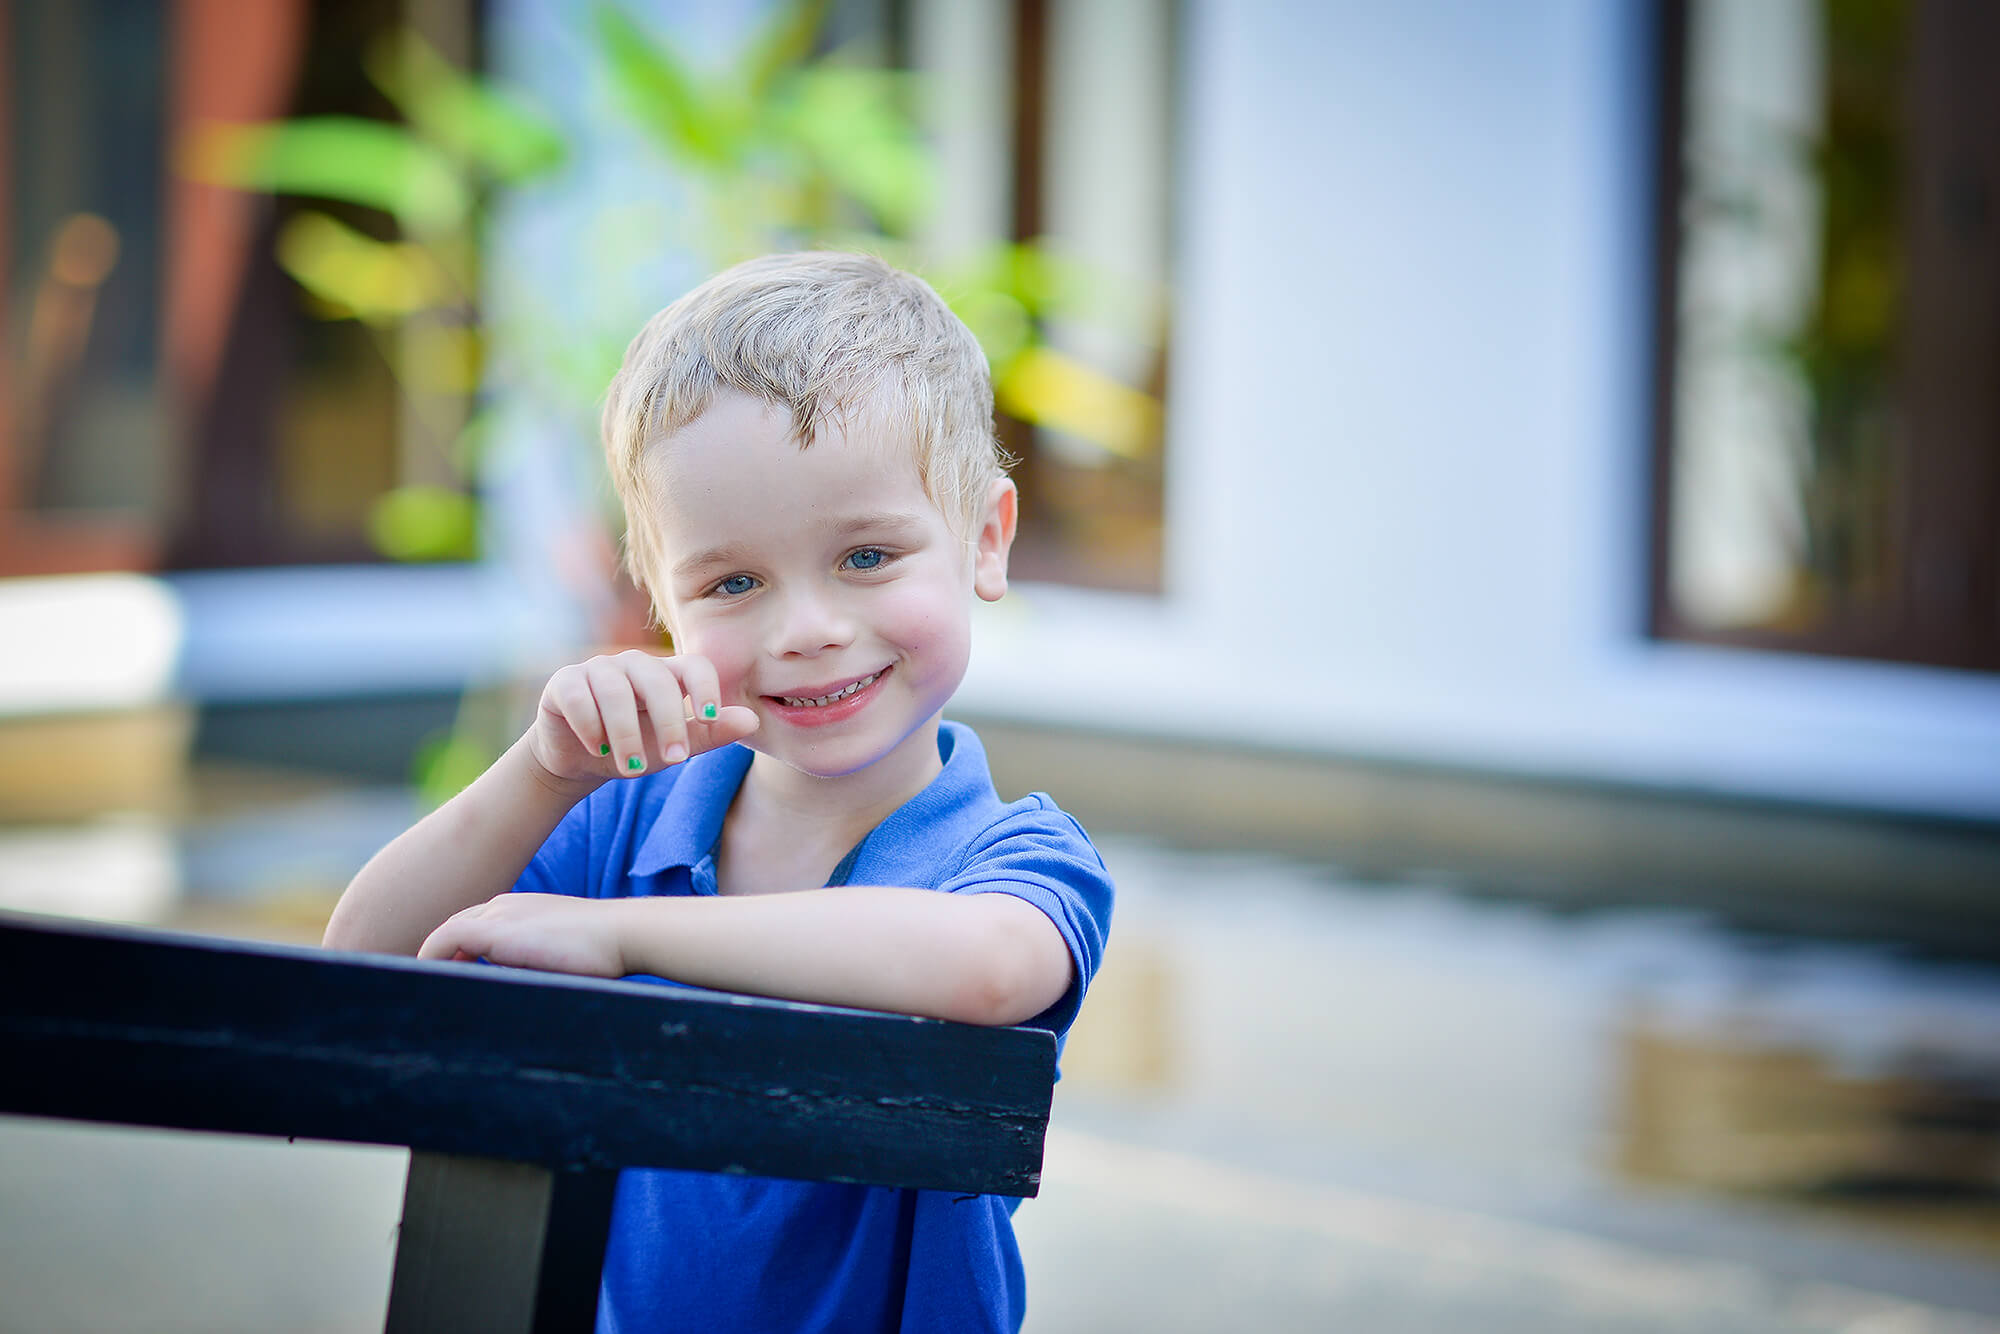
893	522
727	554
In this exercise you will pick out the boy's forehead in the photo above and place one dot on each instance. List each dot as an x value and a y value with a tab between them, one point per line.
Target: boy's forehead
735	430
738	467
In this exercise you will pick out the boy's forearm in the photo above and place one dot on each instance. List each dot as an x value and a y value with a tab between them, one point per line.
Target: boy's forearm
467	851
975	958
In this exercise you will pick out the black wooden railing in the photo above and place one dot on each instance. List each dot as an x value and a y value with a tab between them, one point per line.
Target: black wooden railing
520	1094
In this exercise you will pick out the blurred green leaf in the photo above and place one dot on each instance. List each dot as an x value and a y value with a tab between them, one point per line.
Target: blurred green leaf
356	161
1047	388
448	762
781	47
465	116
685	119
442	357
852	122
1043	279
425	523
1050	284
475	440
376	281
998	321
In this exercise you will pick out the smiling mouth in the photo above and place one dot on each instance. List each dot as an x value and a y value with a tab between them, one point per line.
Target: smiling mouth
821	701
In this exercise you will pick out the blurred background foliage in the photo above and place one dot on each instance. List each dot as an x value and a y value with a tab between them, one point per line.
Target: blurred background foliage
417	289
791	145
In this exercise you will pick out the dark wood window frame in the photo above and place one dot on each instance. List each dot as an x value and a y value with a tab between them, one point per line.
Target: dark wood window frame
222	412
1942	603
1044	551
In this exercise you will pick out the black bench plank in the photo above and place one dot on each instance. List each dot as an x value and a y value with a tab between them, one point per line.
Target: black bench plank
152	1028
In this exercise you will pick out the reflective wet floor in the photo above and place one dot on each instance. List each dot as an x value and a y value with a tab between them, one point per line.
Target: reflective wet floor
1301	1103
1295	1102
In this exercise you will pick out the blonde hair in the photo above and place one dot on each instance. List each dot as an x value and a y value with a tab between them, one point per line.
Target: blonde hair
826	336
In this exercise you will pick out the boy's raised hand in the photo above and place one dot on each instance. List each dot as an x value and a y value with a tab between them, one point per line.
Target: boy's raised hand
630	713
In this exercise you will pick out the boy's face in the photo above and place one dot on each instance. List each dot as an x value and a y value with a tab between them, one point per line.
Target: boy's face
827	571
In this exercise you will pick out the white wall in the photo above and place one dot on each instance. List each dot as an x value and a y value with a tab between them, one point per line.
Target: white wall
1408	438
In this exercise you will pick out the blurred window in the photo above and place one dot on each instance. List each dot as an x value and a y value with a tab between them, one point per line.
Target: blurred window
1067	143
1828	473
82	102
168	395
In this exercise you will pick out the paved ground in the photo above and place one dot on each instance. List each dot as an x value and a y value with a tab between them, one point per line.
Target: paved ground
115	1230
1136	1238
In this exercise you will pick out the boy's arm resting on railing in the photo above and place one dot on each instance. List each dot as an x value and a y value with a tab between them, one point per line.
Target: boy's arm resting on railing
974	958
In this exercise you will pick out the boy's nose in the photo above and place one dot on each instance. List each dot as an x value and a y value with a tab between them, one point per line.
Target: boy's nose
812	623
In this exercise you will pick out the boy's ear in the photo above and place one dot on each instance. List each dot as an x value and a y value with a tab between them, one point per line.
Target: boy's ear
996	538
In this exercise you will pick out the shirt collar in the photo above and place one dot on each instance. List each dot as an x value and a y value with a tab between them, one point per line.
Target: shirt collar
690	816
902	850
913	844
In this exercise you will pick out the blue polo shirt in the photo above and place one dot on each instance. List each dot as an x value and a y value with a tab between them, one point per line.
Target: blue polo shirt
701	1251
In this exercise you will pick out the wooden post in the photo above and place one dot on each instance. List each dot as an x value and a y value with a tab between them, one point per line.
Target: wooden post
469	1252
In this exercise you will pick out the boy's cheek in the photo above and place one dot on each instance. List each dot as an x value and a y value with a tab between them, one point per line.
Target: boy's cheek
925	620
728	657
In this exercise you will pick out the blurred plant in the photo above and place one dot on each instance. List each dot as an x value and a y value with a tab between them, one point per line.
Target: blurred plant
789	147
434	177
793	149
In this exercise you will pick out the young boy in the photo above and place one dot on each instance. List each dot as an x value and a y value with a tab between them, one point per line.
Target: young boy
812	490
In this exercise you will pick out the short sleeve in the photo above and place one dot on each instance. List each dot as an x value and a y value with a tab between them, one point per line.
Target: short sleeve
1043	856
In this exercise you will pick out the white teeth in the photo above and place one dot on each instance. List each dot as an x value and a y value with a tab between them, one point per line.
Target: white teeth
821	700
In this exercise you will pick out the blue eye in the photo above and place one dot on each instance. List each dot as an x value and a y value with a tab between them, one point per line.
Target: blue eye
867	558
736	585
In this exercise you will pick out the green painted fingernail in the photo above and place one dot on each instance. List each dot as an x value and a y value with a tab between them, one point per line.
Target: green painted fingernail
708	712
636	763
604	748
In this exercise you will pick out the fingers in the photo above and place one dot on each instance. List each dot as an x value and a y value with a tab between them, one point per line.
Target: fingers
675	691
568	697
455	937
635	712
552	932
622	739
702	693
733	722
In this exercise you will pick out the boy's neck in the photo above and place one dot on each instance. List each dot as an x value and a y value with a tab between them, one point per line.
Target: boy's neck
839	810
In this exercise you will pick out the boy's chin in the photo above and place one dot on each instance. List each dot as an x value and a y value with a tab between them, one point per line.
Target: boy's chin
834	760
